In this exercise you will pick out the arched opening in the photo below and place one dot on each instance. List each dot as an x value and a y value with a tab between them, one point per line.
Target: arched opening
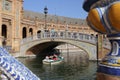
4	31
31	31
24	32
4	34
38	33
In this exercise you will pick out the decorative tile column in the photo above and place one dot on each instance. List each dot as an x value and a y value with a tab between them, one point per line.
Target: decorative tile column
104	17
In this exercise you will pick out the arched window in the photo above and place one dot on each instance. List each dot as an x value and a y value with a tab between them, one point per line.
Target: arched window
31	31
38	33
4	31
24	32
4	34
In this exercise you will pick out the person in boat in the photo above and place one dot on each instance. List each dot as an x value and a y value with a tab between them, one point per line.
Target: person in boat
51	57
55	57
47	57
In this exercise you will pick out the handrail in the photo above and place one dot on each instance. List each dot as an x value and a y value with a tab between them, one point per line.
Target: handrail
64	35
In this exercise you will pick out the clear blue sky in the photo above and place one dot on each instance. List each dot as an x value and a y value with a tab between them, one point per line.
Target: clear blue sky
68	8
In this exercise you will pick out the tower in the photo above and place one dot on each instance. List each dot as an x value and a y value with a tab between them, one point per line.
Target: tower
10	18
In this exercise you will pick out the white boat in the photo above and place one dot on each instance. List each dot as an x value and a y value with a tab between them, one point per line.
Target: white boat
51	61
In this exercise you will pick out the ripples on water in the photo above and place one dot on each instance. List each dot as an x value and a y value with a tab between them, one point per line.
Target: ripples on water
64	71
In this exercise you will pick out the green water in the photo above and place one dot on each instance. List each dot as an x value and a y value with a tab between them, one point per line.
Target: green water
64	71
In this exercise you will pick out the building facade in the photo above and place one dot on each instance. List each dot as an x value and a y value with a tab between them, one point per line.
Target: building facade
17	23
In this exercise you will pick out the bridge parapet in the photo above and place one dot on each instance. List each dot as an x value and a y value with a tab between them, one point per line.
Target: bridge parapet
48	35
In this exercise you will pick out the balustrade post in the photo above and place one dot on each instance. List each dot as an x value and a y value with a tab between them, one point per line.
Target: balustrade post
1	37
42	34
66	34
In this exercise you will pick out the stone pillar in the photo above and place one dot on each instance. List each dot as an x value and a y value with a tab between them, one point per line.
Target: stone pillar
16	24
27	33
1	38
100	46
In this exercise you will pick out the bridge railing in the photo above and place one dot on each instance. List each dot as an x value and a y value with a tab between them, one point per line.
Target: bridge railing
64	35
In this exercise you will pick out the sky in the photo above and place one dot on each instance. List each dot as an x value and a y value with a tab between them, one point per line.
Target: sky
67	8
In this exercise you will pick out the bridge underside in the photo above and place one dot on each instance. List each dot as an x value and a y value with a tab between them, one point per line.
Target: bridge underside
43	48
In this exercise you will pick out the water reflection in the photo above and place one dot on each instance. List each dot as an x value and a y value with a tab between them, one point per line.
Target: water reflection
74	69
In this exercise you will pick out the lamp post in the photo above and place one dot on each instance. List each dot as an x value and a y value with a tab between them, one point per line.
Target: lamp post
45	12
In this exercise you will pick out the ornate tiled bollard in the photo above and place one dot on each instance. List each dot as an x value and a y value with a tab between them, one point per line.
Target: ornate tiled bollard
104	17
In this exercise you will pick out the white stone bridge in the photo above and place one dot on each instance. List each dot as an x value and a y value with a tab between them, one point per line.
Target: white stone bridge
47	41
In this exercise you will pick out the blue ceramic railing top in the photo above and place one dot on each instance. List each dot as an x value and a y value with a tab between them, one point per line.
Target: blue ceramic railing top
14	69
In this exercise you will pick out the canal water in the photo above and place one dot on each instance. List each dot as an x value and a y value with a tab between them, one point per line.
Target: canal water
73	68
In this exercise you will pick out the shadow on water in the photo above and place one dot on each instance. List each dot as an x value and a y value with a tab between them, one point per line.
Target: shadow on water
74	69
